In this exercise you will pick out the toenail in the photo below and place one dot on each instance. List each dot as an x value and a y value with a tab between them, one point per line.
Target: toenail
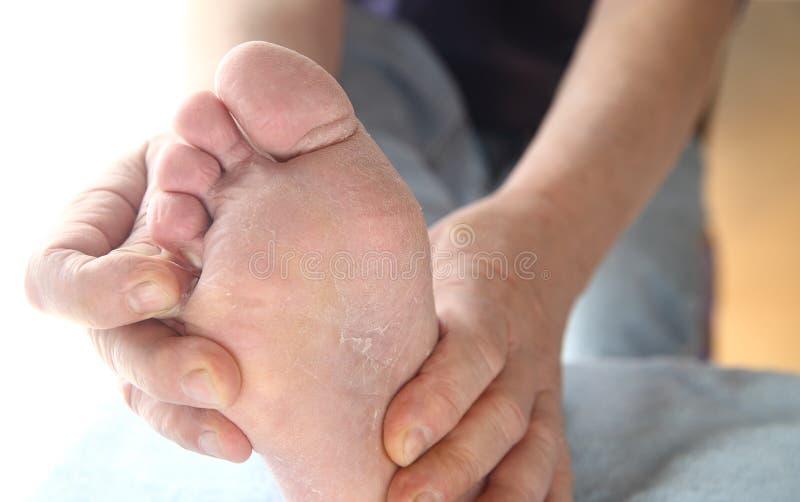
428	497
149	298
199	387
209	443
415	442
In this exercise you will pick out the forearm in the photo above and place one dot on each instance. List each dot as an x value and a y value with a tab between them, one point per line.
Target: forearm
637	83
310	27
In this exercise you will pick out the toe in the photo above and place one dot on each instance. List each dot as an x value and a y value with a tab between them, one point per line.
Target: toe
205	122
185	169
177	214
177	223
286	104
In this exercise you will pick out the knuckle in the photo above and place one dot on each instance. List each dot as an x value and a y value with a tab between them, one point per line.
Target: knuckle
167	424
196	350
491	354
174	425
531	483
449	399
154	374
121	363
54	284
466	463
511	421
89	294
165	353
546	439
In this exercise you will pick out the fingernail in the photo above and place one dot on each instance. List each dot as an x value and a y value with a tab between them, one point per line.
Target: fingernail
428	497
416	442
198	386
149	298
209	443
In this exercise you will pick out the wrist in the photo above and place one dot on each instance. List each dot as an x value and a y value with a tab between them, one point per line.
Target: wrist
517	246
538	222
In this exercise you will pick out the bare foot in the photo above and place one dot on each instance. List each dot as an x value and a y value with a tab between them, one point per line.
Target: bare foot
315	268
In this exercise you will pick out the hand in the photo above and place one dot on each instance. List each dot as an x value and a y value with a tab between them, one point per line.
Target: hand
100	269
486	405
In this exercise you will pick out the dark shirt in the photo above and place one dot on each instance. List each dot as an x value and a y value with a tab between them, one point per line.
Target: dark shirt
508	56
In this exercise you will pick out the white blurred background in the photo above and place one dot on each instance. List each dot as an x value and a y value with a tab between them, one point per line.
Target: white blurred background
82	82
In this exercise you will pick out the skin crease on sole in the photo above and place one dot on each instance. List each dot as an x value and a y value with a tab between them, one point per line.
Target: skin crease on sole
316	270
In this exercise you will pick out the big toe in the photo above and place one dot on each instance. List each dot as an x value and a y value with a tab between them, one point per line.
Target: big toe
285	103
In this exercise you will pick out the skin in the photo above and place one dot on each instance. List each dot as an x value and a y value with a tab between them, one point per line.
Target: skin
602	150
322	348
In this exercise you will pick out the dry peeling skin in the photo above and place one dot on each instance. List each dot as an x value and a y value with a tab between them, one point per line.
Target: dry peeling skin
321	358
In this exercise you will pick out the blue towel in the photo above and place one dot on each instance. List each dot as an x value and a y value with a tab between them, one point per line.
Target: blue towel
643	430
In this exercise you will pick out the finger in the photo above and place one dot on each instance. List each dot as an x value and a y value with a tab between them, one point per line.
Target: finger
203	431
467	358
561	488
528	471
74	276
494	424
187	370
